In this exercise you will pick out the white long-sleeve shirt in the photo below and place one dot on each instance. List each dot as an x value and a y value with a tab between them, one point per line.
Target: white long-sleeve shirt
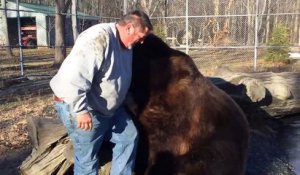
96	75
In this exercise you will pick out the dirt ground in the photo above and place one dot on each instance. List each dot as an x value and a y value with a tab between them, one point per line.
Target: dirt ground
15	143
31	97
22	97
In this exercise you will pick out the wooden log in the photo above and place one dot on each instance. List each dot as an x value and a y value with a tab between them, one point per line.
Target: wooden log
278	94
50	141
52	151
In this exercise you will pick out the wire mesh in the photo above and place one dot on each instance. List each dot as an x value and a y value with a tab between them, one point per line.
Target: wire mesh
214	32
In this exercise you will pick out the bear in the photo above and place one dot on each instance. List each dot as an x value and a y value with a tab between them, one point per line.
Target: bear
187	125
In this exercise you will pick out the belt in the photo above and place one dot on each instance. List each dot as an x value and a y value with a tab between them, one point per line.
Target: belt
57	99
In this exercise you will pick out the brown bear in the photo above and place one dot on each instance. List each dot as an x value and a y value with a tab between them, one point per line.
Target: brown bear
187	125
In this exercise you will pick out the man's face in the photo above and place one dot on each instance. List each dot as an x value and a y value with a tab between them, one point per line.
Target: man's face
136	35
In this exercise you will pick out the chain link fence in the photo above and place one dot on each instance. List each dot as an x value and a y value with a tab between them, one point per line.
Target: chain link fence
214	33
231	32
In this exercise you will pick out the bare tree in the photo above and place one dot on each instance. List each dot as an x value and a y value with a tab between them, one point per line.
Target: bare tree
268	21
150	6
3	29
217	12
250	21
74	19
60	50
125	6
227	12
296	29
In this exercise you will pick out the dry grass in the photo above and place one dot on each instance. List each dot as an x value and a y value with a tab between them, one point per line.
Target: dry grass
15	144
19	101
208	61
35	61
13	124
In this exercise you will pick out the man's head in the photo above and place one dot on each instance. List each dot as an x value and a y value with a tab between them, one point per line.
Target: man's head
134	27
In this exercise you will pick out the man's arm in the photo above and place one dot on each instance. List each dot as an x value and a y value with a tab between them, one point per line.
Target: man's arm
75	77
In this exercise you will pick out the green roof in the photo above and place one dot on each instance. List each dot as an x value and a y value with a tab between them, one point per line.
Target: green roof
39	8
50	10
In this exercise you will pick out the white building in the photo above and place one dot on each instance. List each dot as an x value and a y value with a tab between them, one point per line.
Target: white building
38	23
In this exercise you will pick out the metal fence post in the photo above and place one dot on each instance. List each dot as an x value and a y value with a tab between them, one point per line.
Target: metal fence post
20	39
256	37
187	26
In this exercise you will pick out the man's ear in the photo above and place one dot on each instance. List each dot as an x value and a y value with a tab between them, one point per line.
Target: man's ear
130	29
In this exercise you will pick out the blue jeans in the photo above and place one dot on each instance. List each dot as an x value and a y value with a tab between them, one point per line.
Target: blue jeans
118	129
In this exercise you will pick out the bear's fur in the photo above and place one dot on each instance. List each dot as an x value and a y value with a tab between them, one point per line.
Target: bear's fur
188	126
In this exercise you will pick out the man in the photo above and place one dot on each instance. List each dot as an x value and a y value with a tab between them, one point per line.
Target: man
90	88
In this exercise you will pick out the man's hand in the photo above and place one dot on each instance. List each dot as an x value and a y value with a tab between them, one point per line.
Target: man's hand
84	121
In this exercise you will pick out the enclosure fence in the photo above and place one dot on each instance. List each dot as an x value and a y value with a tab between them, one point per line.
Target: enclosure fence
213	32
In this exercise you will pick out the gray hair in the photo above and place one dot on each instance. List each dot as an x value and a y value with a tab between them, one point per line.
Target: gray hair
138	18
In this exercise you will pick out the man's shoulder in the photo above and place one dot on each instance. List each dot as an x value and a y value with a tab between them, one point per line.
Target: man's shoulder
101	27
98	30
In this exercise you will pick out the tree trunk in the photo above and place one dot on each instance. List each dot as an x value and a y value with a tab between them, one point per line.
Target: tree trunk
276	11
268	22
261	12
146	7
60	49
150	6
4	40
125	6
250	21
227	20
296	31
74	20
217	12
